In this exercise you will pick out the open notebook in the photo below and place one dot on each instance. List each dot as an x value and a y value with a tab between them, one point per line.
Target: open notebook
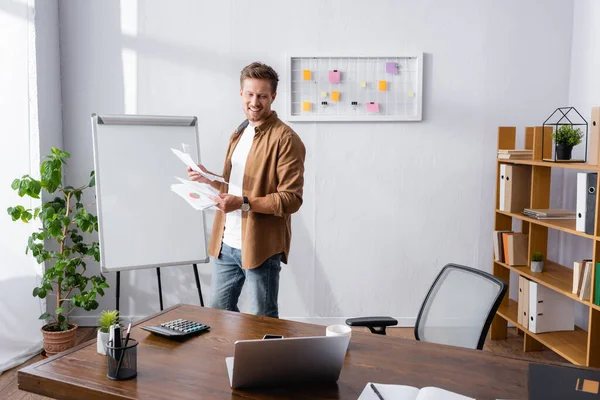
402	392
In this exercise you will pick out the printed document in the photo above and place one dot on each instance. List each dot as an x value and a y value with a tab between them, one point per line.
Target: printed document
187	159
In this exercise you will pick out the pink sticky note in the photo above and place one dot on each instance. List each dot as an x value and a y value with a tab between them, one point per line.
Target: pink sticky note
391	68
334	76
373	107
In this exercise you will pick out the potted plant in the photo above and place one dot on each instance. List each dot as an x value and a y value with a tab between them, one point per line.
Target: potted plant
60	245
566	137
105	321
537	262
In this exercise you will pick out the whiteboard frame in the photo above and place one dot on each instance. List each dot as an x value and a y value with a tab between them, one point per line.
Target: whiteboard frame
359	118
163	120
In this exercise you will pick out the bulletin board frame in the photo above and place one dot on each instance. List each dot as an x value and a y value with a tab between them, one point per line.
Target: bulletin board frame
359	95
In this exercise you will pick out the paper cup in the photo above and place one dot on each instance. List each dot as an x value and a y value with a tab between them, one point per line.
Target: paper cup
338	330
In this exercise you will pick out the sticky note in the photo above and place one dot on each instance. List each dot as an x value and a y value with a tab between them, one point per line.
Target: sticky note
306	106
411	94
363	84
323	94
372	107
306	74
334	76
335	96
391	68
383	86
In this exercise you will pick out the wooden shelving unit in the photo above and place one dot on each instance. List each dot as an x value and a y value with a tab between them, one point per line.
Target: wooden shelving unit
579	346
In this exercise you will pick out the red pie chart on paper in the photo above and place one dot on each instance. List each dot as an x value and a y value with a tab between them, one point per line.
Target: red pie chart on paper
194	195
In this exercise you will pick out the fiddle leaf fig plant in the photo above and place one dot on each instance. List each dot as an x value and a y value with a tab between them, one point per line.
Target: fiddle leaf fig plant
60	243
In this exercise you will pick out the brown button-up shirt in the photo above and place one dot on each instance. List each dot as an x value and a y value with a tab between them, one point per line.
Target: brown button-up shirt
274	175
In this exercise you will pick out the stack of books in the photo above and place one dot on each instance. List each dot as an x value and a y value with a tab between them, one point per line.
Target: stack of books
513	154
549	213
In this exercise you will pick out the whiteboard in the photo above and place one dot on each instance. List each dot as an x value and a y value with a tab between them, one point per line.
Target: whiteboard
355	88
141	222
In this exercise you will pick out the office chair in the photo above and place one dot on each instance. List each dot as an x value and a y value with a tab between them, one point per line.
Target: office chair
458	309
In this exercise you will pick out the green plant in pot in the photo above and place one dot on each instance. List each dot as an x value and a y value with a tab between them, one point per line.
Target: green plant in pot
566	137
537	262
106	319
60	245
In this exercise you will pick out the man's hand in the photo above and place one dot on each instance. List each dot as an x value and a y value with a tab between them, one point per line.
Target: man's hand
227	202
195	176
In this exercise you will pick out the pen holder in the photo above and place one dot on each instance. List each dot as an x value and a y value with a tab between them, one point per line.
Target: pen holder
122	361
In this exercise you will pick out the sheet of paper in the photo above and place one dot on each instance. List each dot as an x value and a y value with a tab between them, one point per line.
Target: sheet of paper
187	159
334	76
398	392
434	393
203	188
306	74
411	94
323	94
391	68
383	86
195	199
335	96
372	107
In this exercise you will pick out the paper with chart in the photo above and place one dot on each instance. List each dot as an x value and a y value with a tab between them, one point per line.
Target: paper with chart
404	392
187	159
194	198
203	188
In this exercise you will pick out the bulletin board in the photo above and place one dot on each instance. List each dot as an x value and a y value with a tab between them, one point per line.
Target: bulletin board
355	88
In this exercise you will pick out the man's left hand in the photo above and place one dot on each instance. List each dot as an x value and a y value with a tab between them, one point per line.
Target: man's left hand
228	202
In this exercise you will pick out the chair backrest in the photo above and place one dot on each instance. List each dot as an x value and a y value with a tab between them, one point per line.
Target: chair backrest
459	307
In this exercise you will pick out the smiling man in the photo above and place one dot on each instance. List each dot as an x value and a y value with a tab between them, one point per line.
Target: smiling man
264	166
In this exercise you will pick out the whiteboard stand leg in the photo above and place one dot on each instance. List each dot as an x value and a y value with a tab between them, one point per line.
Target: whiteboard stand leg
198	284
118	288
159	288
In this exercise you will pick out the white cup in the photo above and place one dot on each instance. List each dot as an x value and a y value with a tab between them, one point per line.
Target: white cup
338	330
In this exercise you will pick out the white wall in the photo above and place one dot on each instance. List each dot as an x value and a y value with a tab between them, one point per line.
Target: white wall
430	185
29	77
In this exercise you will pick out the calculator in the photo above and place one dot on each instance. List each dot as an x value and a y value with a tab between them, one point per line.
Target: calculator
178	328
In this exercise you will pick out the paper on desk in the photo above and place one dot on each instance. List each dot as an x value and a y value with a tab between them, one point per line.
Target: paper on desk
187	159
404	392
200	187
195	199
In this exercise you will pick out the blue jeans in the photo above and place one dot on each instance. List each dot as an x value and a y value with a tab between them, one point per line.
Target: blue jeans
229	277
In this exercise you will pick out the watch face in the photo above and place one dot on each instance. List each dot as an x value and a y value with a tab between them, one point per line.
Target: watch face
245	207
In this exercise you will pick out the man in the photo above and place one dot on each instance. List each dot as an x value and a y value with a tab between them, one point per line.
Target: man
264	167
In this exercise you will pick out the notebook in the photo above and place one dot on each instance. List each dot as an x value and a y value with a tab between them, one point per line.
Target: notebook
549	382
403	392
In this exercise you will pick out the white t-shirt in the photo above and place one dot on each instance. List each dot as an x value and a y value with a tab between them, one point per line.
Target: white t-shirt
233	220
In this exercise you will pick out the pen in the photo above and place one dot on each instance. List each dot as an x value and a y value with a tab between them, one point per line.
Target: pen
124	348
377	392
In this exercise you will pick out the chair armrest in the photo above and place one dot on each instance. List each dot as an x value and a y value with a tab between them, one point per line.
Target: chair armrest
372	323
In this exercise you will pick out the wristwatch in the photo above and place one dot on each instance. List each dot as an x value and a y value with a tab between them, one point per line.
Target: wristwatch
245	204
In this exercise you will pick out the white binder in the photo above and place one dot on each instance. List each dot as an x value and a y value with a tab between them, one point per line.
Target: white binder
549	311
581	201
502	185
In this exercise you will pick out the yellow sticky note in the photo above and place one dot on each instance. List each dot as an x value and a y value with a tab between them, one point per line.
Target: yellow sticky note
306	74
323	94
363	84
383	86
411	94
306	106
335	96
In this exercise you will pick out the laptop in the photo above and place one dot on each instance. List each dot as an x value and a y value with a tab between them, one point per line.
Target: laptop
548	382
279	362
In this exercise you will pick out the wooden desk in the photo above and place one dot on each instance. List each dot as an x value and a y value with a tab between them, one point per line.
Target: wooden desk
196	368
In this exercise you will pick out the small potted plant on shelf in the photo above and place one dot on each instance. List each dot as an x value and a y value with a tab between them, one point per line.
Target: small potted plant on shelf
106	319
566	137
537	262
59	244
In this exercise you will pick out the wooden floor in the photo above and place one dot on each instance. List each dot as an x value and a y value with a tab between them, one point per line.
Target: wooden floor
511	347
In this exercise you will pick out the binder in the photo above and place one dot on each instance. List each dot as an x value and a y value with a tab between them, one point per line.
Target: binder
586	282
520	301
502	186
517	188
525	303
594	143
517	249
499	246
549	311
586	202
578	268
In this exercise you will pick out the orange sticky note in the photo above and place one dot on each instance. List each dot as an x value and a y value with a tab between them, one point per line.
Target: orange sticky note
306	74
335	96
306	106
383	86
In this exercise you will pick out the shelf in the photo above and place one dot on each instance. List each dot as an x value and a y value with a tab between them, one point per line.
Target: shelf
572	345
579	166
564	225
555	276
